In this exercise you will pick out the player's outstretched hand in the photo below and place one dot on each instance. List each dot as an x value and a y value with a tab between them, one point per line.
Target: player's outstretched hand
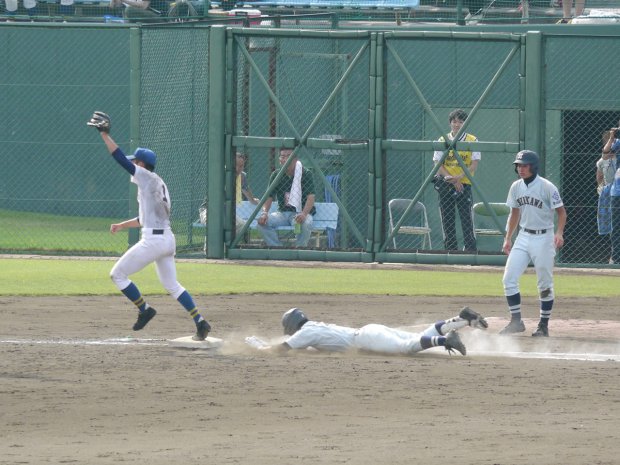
256	342
101	121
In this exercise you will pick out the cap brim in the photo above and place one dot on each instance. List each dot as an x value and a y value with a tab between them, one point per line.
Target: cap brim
131	157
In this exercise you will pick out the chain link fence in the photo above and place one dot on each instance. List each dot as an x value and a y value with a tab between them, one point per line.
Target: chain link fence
364	111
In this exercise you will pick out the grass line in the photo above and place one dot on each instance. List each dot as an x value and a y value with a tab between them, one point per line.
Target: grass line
37	277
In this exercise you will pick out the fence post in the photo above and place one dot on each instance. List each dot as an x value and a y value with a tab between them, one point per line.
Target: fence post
135	39
376	153
534	114
217	138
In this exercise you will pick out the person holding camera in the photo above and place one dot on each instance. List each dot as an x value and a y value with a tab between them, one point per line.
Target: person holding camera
454	188
611	148
605	172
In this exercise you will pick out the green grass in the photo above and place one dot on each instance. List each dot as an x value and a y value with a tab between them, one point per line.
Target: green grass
91	277
26	231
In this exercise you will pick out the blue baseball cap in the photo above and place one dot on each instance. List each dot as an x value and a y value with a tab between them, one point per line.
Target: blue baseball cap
145	155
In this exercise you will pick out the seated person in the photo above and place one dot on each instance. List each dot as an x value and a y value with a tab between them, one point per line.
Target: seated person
242	188
295	195
143	10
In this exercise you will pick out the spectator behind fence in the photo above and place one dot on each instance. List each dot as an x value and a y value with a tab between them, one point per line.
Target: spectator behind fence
454	187
612	147
242	192
242	187
29	5
145	11
295	194
567	6
605	171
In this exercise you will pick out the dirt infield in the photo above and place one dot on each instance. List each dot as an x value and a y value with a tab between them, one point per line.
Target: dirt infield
74	389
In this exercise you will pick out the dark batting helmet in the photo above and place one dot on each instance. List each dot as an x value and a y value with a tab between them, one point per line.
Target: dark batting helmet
527	157
292	320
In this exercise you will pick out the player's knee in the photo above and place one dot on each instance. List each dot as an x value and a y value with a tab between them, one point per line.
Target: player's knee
175	290
546	294
511	287
115	276
119	279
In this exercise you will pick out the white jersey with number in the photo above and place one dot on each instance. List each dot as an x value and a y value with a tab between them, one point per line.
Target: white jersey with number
153	199
536	201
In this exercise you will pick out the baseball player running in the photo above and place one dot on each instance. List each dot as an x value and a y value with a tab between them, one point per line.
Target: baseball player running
533	201
304	334
157	243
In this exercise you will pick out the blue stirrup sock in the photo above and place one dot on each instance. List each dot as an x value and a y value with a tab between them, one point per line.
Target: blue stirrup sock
133	294
432	341
545	311
514	305
188	303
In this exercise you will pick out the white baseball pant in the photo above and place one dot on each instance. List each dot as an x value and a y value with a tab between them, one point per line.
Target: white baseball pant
158	248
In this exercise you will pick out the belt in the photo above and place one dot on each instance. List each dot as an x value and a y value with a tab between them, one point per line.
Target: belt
535	231
157	231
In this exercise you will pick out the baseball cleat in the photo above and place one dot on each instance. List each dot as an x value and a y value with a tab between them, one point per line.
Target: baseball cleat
202	330
541	331
474	319
515	326
453	342
143	318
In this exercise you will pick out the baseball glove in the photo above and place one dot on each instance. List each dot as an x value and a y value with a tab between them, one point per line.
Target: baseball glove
101	121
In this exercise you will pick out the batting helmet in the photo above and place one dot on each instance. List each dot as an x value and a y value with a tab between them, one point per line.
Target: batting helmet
292	320
145	155
527	157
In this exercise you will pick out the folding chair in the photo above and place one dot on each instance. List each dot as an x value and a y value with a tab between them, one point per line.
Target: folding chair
480	209
415	223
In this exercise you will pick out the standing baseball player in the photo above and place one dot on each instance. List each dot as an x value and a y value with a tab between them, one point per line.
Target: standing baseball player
157	243
533	201
304	334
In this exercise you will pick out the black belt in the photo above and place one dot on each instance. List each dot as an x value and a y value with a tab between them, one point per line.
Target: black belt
158	231
535	231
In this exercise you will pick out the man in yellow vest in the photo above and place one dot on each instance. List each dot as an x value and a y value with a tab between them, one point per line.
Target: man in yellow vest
454	187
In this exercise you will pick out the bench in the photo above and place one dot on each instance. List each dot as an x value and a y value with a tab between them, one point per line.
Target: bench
326	217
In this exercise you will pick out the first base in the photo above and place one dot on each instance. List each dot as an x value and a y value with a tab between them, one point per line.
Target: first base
186	342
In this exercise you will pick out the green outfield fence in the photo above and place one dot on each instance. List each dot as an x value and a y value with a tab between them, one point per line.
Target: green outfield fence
343	13
362	108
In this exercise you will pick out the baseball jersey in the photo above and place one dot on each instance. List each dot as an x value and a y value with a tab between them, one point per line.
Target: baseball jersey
153	199
451	165
322	336
536	201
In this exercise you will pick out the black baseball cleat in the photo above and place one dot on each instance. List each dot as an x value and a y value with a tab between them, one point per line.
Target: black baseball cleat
202	330
143	318
453	342
541	331
474	319
515	326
